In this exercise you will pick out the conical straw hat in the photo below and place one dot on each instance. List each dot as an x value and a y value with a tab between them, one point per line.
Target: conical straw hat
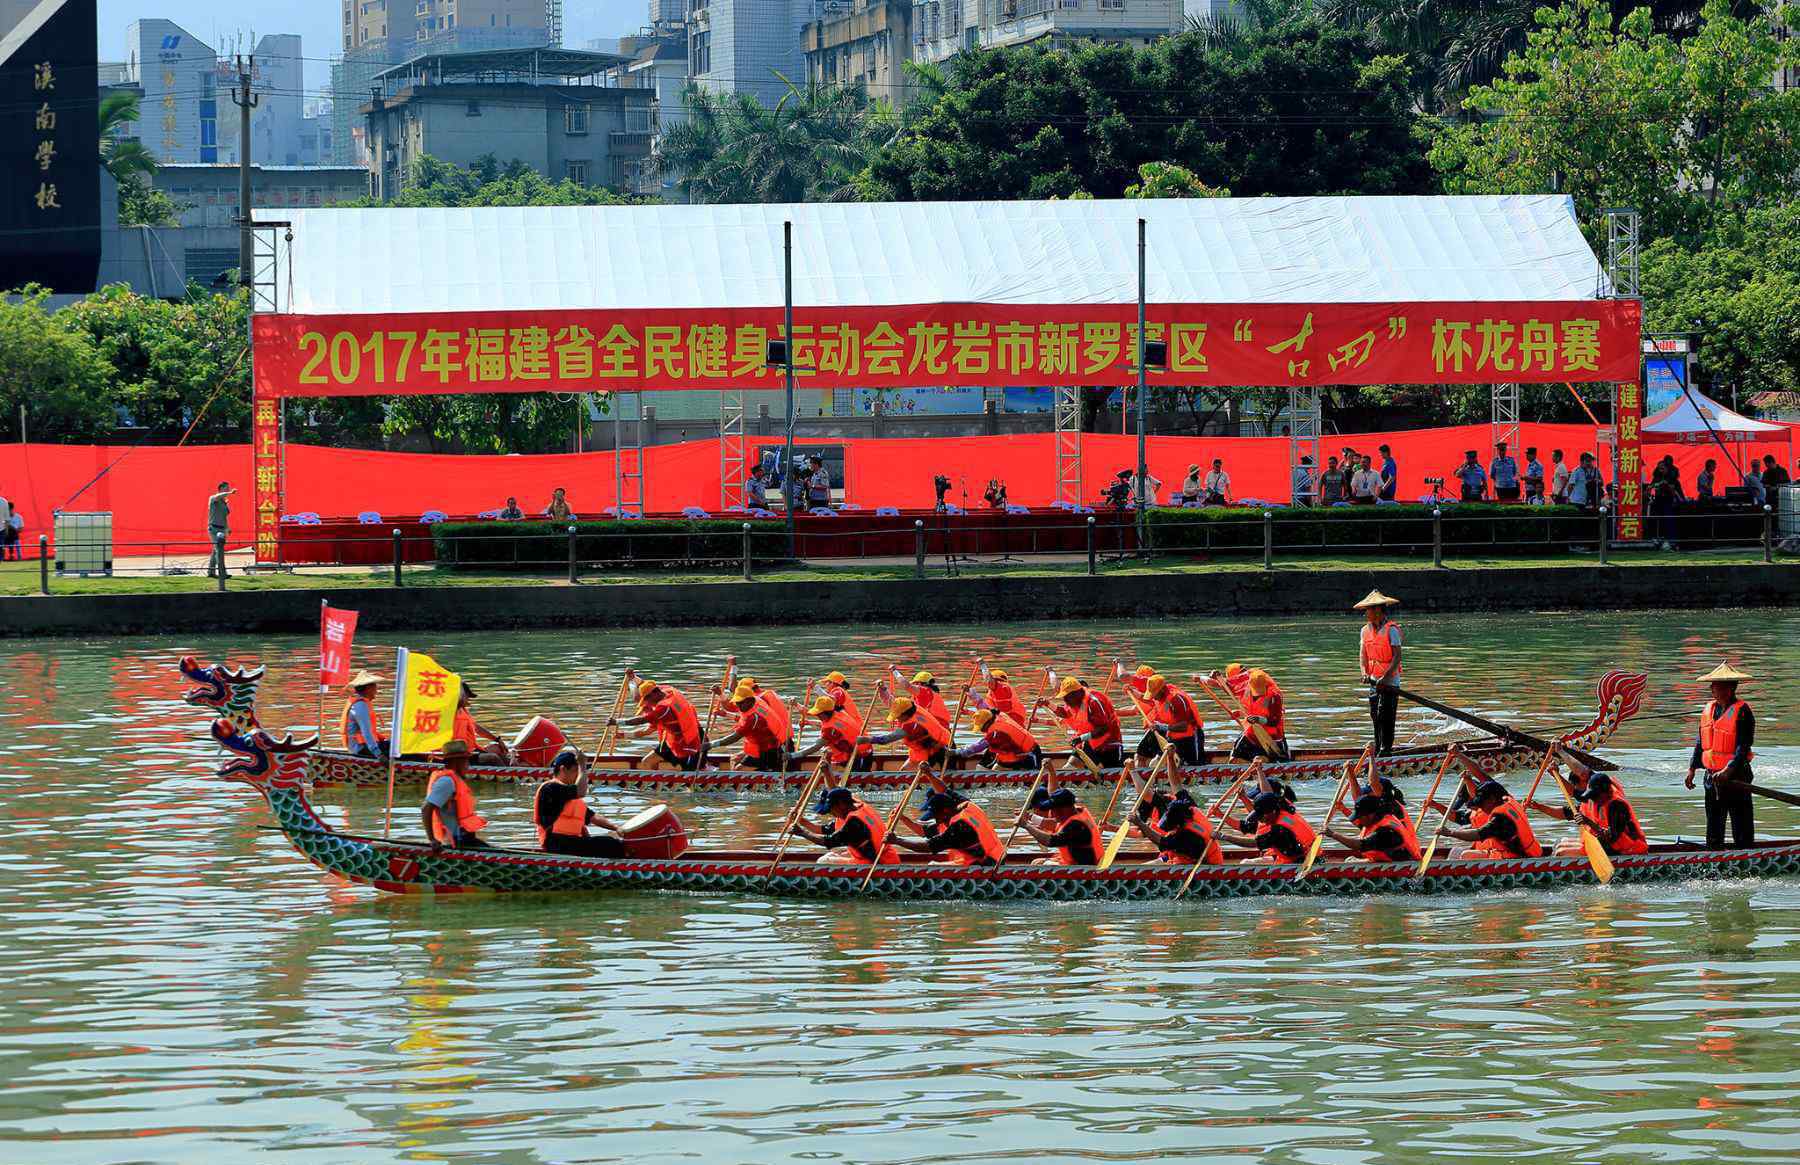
1376	599
1724	672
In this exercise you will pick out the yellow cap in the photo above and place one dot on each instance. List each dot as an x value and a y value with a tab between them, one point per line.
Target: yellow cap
1259	680
998	673
901	707
1233	669
744	692
983	717
923	677
748	682
645	688
836	677
1069	686
1155	684
1144	669
822	705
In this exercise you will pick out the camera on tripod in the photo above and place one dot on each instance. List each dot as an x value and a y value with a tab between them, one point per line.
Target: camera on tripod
1435	482
941	484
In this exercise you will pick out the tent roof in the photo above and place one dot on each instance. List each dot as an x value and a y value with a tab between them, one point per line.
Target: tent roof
1222	251
1682	422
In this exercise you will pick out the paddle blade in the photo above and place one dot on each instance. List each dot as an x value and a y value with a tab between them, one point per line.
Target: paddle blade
1312	855
1425	859
1115	845
1597	856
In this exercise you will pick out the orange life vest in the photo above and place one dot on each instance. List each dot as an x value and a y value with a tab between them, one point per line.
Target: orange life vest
756	731
1718	734
570	822
345	722
1065	855
1008	739
1272	708
1005	701
1303	833
928	699
677	724
1176	705
780	722
839	730
1526	840
1409	847
866	854
840	695
1378	650
1632	841
1097	717
988	840
462	728
925	735
462	806
1201	827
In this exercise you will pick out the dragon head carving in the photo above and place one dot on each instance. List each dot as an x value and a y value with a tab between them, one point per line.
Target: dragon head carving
257	758
1627	688
231	692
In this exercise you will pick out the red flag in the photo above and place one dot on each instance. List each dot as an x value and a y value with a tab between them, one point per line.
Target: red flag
336	631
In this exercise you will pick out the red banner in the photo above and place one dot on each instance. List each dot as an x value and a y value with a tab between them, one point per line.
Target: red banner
958	344
337	630
265	465
1628	466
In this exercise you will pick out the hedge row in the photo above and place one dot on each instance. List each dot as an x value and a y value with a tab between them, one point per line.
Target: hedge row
649	542
1518	529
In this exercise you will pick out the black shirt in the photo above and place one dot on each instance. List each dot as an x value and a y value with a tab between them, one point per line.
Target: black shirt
1185	842
957	835
1282	840
1079	838
1388	839
552	796
853	834
1501	827
1618	823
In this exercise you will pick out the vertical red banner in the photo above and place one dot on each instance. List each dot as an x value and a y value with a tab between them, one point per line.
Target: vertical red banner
265	463
1628	418
337	630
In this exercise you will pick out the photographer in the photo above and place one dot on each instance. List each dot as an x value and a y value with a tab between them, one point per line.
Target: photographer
941	485
995	495
1118	493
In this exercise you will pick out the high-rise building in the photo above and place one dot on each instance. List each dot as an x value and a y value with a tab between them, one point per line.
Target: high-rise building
177	73
942	28
862	43
749	46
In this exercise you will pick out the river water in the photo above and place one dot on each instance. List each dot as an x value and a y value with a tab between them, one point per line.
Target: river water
181	987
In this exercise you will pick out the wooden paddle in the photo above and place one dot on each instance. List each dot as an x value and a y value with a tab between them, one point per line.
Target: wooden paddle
1221	807
1043	694
787	831
893	819
1239	716
1731	786
1449	756
1044	771
1117	842
961	703
610	733
1510	735
1597	857
712	713
1318	844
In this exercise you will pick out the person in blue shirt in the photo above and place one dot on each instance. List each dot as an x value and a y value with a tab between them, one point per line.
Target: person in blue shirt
1474	480
1534	478
1390	474
1505	472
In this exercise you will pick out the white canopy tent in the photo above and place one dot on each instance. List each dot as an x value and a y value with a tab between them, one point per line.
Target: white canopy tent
1695	419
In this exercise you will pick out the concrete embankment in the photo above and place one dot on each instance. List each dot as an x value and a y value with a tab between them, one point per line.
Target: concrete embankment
937	600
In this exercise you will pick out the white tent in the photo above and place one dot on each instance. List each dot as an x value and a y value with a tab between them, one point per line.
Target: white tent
1697	420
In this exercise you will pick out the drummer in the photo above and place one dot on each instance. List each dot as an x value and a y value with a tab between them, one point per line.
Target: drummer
561	814
663	709
857	832
464	728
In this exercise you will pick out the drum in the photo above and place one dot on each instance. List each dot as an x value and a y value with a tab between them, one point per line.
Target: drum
537	743
654	833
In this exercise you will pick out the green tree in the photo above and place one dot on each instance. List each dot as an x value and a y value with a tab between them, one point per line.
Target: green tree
124	158
487	182
811	147
1294	107
1167	180
54	369
169	363
143	205
1680	130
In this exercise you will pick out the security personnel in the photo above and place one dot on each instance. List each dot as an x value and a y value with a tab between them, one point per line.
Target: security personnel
1264	708
1496	824
1006	740
839	733
927	740
1276	832
680	744
858	834
1609	816
560	812
448	813
1385	837
956	829
1181	832
1076	839
1379	652
1723	750
1093	722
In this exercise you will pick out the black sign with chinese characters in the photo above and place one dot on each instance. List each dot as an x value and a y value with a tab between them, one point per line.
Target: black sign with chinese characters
50	148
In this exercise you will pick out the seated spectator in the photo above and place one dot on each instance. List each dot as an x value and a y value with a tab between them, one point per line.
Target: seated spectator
558	510
1192	491
1473	478
1774	475
512	512
1334	486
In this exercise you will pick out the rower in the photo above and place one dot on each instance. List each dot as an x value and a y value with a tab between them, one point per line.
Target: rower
1379	653
1496	824
1173	712
1076	839
1000	695
448	813
1385	837
927	740
561	814
1265	709
1278	834
762	747
840	735
857	835
837	686
1723	750
1093	721
780	720
680	743
1180	830
923	692
362	736
1608	814
464	728
1006	740
955	829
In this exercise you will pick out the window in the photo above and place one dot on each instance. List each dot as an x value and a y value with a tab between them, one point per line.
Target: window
209	131
576	172
1115	5
474	109
575	119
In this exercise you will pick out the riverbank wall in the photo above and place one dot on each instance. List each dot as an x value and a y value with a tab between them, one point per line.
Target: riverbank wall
931	600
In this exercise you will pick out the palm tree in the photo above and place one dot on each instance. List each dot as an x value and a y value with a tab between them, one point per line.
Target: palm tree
809	147
123	157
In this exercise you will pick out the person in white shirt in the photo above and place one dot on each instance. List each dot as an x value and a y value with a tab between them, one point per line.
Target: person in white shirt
1218	485
1365	484
1192	488
1559	478
1303	482
1144	488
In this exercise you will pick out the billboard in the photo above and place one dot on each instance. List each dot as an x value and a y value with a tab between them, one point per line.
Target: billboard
50	148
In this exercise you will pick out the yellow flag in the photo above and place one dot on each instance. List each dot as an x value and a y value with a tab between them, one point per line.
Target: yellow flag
425	698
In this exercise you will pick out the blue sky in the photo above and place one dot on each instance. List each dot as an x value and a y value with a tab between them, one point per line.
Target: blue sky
317	23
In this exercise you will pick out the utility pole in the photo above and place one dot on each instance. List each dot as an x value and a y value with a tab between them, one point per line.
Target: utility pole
787	334
245	101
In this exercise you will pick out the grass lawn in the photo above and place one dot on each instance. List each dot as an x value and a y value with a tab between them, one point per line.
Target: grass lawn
21	578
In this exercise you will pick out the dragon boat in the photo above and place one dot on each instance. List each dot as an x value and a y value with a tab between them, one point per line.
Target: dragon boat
277	769
231	694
